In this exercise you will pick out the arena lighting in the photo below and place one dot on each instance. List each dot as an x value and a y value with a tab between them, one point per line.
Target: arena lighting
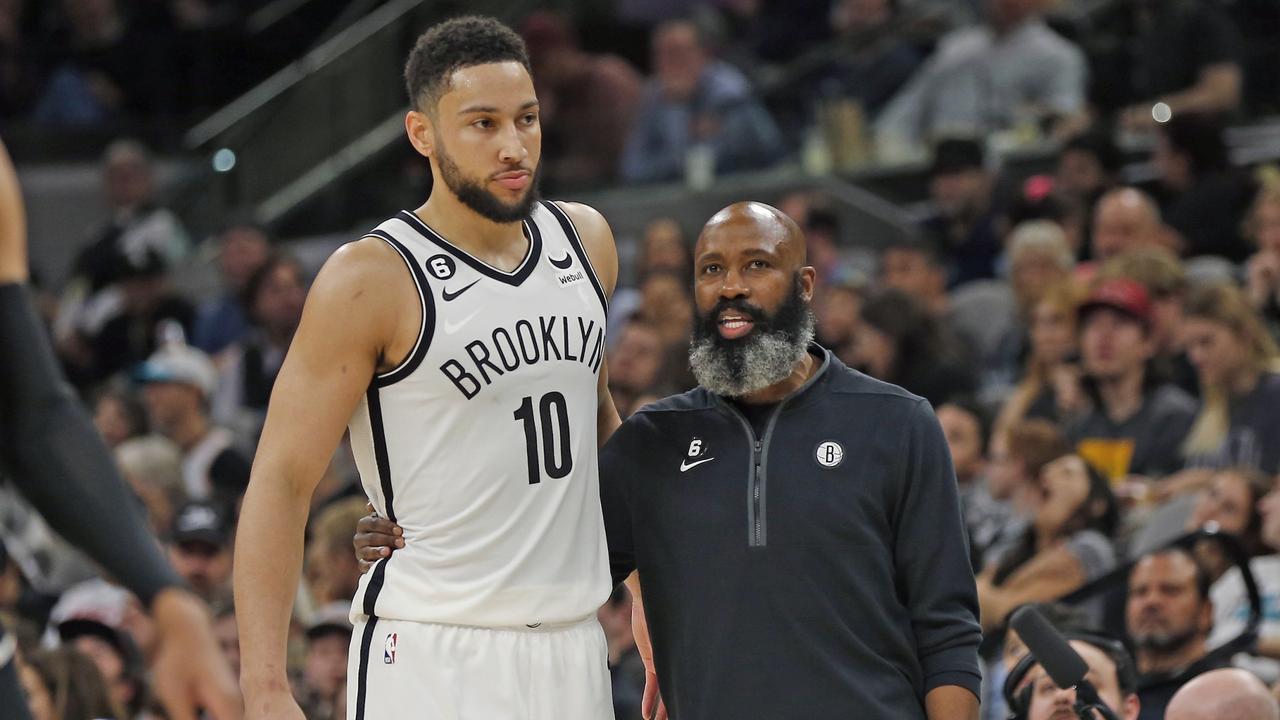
224	160
1161	112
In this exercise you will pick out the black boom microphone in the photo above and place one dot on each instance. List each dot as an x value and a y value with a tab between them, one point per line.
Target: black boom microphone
1063	664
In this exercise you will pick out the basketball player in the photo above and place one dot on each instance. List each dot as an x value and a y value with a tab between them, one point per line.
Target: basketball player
462	345
59	463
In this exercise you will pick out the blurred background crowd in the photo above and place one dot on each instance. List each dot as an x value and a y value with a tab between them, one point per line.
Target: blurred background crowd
1059	221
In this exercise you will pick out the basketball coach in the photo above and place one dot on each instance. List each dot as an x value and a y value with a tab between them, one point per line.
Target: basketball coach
795	523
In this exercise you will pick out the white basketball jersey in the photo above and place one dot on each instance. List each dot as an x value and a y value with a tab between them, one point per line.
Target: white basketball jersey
482	443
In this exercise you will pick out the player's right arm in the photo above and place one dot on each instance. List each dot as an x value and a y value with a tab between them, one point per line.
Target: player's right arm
353	320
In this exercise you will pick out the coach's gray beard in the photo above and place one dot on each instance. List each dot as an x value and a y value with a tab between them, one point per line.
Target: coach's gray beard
762	359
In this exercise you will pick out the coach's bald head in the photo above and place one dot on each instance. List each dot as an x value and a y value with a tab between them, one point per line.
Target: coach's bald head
760	222
1227	693
752	289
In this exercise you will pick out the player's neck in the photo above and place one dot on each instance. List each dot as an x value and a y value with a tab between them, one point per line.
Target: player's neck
466	228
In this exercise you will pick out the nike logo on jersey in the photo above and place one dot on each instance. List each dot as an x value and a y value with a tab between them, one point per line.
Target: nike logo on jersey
563	262
452	295
686	465
451	327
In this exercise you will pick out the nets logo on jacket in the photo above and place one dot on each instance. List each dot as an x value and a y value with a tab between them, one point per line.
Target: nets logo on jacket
829	454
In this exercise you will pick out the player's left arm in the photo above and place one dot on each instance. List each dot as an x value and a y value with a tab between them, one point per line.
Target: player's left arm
601	249
597	238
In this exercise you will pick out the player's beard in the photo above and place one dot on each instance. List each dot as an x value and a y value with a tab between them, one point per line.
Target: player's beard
766	355
484	203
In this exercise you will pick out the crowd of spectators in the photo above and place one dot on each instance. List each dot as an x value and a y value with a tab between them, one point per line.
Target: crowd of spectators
142	66
1102	355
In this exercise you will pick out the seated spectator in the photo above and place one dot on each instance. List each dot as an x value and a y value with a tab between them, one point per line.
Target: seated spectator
221	320
1169	617
636	365
1230	504
837	311
960	187
1165	279
990	77
1051	362
878	59
177	383
117	658
63	684
273	298
1231	600
1089	165
200	549
1062	617
1126	219
321	688
914	267
1206	196
1132	424
662	250
152	466
1110	672
1018	457
1225	693
106	69
900	343
138	226
1262	271
586	103
966	427
1067	544
666	303
1182	53
119	416
692	100
1237	363
147	303
1039	259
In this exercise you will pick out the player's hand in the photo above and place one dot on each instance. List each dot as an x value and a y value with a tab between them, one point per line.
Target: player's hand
276	705
190	671
376	538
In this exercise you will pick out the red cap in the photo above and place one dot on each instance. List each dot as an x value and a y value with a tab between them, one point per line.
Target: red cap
1122	294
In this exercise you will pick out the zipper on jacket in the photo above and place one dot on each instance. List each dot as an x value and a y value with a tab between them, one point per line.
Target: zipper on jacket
757	503
758	470
757	510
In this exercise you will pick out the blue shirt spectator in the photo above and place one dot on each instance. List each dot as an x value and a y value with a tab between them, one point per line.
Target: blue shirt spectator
694	99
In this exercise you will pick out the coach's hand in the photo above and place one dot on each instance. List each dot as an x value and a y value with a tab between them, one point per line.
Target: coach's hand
651	705
190	671
376	538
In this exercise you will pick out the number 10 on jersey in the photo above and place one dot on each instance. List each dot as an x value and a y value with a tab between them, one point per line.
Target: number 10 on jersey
552	424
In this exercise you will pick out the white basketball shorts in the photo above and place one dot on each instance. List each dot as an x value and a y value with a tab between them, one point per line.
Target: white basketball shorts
426	671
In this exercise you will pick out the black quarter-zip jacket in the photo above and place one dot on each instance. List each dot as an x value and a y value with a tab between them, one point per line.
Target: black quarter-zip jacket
818	571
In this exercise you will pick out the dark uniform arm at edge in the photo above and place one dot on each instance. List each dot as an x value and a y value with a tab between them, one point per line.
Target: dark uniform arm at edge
58	460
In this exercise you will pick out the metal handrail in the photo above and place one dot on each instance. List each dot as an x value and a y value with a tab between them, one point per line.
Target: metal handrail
290	76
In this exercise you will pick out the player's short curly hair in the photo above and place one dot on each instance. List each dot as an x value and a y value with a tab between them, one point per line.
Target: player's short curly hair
458	43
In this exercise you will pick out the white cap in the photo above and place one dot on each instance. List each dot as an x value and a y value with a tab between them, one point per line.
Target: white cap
177	362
